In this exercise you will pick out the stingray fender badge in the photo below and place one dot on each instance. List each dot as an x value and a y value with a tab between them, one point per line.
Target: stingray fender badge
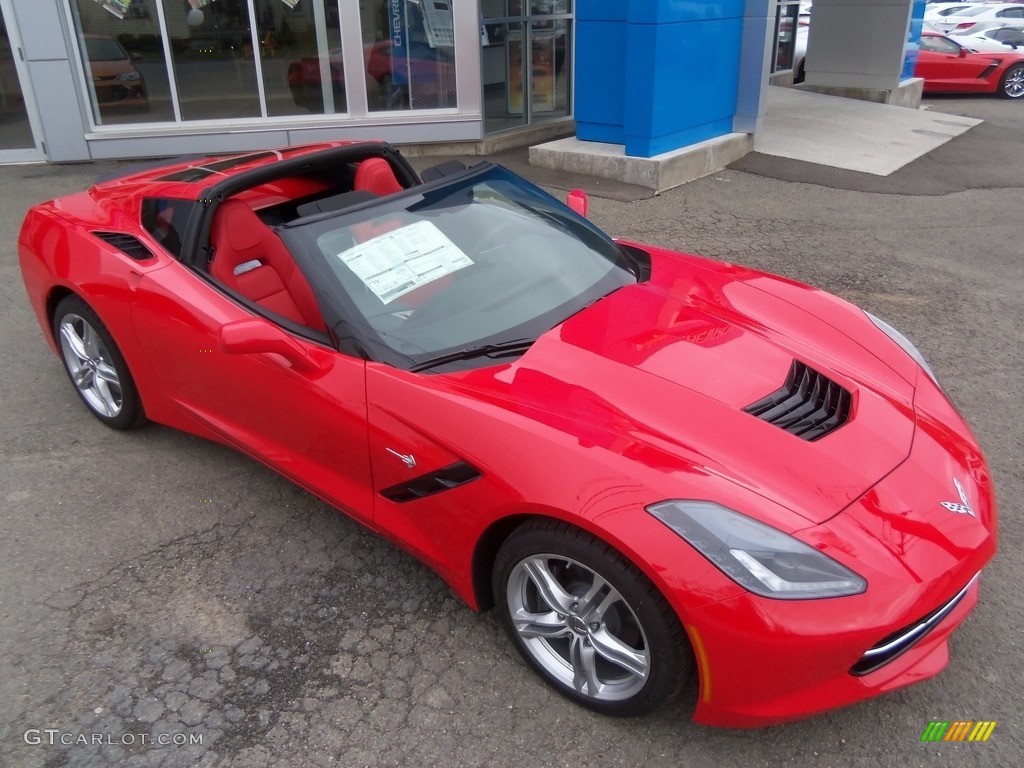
410	461
964	507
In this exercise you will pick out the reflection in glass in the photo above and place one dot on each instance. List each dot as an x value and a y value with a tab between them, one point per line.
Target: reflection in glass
214	63
124	65
15	131
525	78
785	35
294	64
409	47
549	79
503	77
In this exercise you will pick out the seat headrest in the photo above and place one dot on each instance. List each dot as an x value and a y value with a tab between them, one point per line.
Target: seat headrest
375	175
239	224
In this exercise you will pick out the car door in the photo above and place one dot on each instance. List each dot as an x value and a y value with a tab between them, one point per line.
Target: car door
947	66
300	409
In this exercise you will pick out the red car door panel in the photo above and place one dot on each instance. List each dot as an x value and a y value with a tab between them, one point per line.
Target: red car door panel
306	421
952	72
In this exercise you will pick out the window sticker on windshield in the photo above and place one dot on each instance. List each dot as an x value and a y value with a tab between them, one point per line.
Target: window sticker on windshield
397	262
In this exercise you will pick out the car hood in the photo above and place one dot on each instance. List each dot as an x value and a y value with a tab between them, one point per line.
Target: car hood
105	70
661	371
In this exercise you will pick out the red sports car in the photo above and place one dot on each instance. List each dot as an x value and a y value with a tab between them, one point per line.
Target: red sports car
949	67
654	465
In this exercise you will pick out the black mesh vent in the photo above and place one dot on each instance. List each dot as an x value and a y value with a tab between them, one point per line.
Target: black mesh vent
127	244
809	405
443	479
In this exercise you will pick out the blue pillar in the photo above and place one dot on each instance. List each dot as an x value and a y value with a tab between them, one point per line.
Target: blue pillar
913	38
657	75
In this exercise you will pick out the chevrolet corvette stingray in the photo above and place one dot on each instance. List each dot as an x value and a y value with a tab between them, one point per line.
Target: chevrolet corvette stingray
656	466
949	67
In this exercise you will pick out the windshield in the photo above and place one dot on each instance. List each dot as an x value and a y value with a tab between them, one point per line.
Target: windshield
978	11
484	260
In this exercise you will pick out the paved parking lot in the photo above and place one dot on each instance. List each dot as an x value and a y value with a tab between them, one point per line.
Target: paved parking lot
157	587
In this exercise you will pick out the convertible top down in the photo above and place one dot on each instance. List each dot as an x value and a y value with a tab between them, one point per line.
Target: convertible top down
654	465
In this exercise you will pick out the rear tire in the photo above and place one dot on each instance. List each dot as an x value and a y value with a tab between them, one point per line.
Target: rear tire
588	621
95	365
1011	86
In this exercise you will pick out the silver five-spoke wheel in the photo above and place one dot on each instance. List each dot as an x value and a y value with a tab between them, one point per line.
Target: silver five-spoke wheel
87	359
588	621
578	627
1012	84
95	365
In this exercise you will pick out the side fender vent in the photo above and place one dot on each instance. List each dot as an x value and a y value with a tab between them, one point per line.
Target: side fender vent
443	479
809	405
129	245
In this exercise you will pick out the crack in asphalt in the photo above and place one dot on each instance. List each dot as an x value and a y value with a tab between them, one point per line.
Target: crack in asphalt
254	637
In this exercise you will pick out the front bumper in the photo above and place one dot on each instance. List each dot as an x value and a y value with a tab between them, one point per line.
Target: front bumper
795	676
920	537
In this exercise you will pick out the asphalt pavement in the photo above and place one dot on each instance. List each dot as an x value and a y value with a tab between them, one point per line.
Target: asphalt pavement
155	587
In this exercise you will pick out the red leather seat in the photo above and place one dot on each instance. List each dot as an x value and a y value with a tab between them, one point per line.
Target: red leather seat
375	175
250	259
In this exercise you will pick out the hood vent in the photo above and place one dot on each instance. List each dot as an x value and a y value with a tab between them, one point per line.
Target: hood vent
129	245
809	405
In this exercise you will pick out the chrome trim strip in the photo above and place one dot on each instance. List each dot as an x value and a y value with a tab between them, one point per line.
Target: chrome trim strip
915	633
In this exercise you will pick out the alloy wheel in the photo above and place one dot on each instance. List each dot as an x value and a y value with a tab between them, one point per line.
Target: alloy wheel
89	366
1013	84
578	628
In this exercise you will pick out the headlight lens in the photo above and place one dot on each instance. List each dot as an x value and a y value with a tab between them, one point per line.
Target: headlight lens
904	343
129	76
756	556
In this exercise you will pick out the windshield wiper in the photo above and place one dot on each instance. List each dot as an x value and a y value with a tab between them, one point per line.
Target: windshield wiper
502	349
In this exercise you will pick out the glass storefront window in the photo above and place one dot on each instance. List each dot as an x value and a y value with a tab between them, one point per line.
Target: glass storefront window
213	55
15	130
409	49
201	60
300	51
124	62
503	76
785	35
220	50
549	76
526	62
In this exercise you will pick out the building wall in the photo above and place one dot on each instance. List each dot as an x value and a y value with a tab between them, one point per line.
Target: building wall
75	126
654	74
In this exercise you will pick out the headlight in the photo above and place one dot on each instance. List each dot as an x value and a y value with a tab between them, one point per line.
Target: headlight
129	76
904	343
759	558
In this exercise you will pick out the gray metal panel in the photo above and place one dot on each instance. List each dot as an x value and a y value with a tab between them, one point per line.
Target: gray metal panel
420	133
468	54
106	148
857	44
41	26
755	58
58	102
112	146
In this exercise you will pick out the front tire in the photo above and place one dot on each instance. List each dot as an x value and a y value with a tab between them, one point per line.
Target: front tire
1011	86
95	365
588	621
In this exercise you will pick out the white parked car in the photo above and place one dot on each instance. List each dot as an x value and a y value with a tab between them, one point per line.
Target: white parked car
998	39
980	18
939	10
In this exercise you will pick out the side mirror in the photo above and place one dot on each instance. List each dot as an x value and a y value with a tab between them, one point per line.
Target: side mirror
578	201
963	53
246	337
